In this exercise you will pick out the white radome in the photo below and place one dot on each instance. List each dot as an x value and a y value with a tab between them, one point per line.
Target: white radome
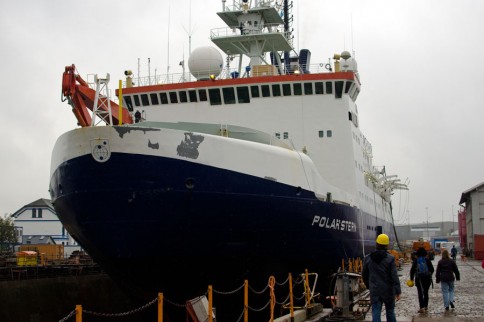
205	61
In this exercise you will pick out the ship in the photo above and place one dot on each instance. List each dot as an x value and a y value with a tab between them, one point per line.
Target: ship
250	165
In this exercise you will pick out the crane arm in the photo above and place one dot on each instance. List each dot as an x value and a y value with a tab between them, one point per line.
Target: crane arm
82	98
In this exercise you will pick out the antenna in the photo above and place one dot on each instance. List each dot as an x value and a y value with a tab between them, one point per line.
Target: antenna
168	46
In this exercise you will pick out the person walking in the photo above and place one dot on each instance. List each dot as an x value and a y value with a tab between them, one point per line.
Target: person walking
380	277
447	273
422	270
453	252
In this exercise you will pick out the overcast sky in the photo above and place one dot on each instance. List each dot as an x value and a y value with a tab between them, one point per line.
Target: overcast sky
421	104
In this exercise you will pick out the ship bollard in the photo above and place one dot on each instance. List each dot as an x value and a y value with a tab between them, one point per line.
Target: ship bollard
78	313
210	318
160	307
246	301
291	298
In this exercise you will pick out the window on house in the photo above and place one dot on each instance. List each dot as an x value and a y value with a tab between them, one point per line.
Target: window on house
329	133
321	134
39	213
34	213
286	135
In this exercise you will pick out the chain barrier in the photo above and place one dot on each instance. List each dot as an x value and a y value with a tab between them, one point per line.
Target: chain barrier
272	283
229	292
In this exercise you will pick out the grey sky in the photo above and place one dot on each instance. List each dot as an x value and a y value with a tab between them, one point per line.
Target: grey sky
419	62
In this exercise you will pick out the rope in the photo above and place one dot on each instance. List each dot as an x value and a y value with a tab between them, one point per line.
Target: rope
272	282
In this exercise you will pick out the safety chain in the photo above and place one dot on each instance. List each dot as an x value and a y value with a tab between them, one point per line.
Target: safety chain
68	316
300	298
285	301
229	292
123	313
261	309
240	316
259	292
283	283
173	303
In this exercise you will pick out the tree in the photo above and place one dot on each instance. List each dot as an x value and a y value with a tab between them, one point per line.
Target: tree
8	236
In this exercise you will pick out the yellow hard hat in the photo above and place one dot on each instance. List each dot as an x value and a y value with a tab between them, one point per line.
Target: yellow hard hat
383	239
410	283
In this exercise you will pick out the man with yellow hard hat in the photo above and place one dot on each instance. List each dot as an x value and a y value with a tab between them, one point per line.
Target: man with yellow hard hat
381	278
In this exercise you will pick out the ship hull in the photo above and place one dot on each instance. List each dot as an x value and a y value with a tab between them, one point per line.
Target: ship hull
164	223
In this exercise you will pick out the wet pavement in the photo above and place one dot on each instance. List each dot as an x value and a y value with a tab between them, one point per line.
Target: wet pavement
469	297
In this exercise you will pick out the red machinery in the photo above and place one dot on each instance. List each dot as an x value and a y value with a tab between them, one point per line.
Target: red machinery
82	98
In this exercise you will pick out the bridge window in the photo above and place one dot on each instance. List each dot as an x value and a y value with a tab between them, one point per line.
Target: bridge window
321	134
163	98
329	87
265	90
173	97
202	93
338	89
254	91
129	103
348	86
144	100
183	96
297	88
243	94
229	95
319	88
214	95
276	90
308	88
154	99
192	95
136	100
286	89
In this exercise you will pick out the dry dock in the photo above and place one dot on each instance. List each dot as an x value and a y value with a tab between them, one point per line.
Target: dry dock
469	297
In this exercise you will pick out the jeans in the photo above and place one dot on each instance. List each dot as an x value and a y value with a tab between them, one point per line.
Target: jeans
447	292
390	311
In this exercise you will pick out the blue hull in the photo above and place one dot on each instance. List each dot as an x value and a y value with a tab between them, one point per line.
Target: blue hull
175	227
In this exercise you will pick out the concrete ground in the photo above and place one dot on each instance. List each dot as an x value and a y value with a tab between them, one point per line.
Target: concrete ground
469	297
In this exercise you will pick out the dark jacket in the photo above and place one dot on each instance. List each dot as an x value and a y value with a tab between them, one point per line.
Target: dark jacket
446	269
380	276
413	270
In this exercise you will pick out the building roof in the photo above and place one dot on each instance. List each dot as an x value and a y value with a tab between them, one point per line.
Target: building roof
40	203
37	239
465	195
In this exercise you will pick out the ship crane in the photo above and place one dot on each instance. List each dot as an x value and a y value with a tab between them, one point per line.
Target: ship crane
83	99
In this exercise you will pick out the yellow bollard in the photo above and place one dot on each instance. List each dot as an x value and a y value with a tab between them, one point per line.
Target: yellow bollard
120	94
291	298
246	301
210	303
308	290
78	313
160	307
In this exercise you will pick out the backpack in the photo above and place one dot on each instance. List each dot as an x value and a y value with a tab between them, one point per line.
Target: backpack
422	268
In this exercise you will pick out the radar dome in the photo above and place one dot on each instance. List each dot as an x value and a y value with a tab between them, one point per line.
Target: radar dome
205	61
349	65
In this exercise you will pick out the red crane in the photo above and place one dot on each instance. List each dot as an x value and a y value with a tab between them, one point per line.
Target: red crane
82	99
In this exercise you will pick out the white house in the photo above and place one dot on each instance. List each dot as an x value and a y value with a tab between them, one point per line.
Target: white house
39	219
